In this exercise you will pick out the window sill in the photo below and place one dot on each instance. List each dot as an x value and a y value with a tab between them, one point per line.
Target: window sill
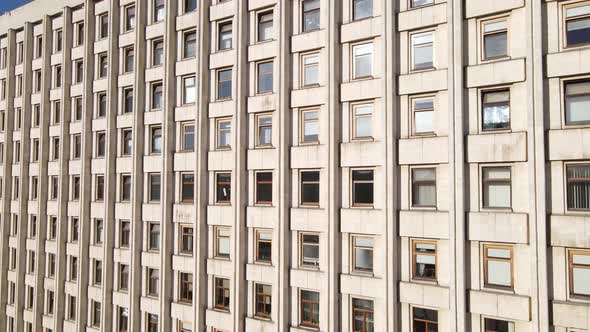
495	59
421	70
496	210
360	79
218	51
422	135
261	42
423	208
499	289
494	131
576	125
419	7
424	281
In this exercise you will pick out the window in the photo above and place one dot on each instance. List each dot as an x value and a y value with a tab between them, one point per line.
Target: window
310	308
54	187
424	187
189	93
496	187
223	133
56	112
97	272
362	121
362	9
311	15
577	25
57	79
127	146
224	41
125	233
577	102
310	250
129	18
52	228
33	227
103	65
20	55
579	272
129	59
263	246
55	148
51	265
186	287
38	46
102	105
424	320
77	108
495	109
153	282
79	71
127	100
100	144
495	39
123	320
362	188
71	308
154	190
263	300
190	45
98	231
157	101
123	277
221	294
186	245
187	136
159	10
265	77
496	325
187	190
497	266
362	254
73	268
74	230
223	188
99	193
265	25
423	116
58	40
224	84
362	60
222	242
156	139
103	29
310	126
154	236
263	130
76	187
37	81
125	188
79	31
424	260
420	3
77	146
190	6
157	52
311	69
423	51
34	187
362	315
50	302
310	188
263	187
578	187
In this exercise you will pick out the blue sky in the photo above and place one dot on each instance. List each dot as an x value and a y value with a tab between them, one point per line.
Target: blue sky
6	5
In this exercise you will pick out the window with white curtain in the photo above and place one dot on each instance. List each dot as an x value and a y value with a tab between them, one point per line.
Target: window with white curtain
362	65
496	184
423	51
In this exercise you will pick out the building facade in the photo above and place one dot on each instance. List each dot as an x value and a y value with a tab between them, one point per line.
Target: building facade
295	165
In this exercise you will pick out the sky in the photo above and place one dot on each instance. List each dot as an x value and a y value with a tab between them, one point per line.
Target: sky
6	5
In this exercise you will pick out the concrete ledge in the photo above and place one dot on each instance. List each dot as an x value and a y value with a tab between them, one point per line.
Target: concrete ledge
308	41
219	319
309	97
424	224
183	263
262	103
260	51
560	145
362	153
220	160
496	73
310	279
362	285
260	273
187	20
219	267
307	219
424	295
361	89
221	108
506	147
362	221
359	30
220	215
570	62
500	305
226	58
150	259
260	159
262	216
572	315
570	231
427	81
183	213
309	156
182	311
256	4
475	8
222	10
416	151
422	17
498	227
261	325
184	161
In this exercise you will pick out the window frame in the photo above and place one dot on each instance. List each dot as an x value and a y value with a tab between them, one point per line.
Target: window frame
220	184
304	66
130	21
354	13
432	43
258	240
219	82
257	182
353	253
260	74
425	321
155	50
564	85
311	304
416	253
485	319
567	182
257	121
482	23
150	192
565	19
304	13
153	138
483	185
185	89
303	122
184	133
101	24
412	6
354	56
128	53
222	30
185	42
182	198
260	20
414	184
218	283
262	295
353	191
483	104
486	259
303	183
189	236
365	312
185	289
218	237
571	266
354	107
218	132
302	244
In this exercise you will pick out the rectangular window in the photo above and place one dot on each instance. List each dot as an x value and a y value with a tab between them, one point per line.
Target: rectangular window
224	41
127	100
76	187
189	93
190	6
127	142
52	228
186	245
154	190
263	187
103	65
124	233
264	130
154	236
152	323
97	273
495	109
102	105
37	81
77	108
187	188
78	71
496	187
153	282
223	133
265	77
99	193
424	320
187	136
73	268
189	49
424	260
129	59
157	52
310	250
310	188
125	188
577	102
362	121
98	231
77	146
159	10
496	325
423	51
51	265
224	84
495	39
578	187
38	46
577	25
74	230
100	144
420	3
362	315
362	9
265	25
57	75
263	301
310	126
498	262
186	287
362	65
71	308
222	242
157	101
310	309
123	320
362	254
156	139
103	26
221	300
58	40
79	30
129	18
424	187
362	187
263	246
311	69
311	15
50	303
579	272
223	188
